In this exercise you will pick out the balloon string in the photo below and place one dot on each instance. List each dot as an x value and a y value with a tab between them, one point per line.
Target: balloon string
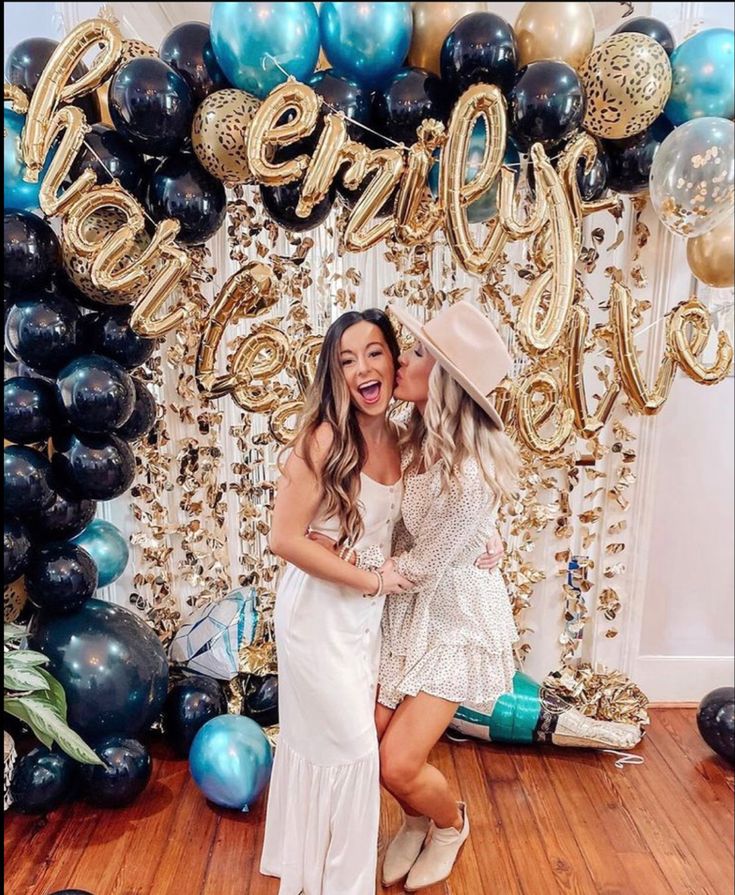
723	307
115	180
513	165
625	758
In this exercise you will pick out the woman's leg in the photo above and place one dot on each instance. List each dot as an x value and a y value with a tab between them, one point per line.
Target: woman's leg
416	726
383	718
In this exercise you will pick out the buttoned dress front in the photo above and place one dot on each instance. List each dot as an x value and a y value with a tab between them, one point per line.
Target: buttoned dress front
324	802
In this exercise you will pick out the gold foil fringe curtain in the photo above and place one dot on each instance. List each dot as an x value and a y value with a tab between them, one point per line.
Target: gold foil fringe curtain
188	491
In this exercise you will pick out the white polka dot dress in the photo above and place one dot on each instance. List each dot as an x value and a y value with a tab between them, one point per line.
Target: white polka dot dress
454	636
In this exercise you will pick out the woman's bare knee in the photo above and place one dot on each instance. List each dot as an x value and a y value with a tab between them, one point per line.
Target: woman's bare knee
397	770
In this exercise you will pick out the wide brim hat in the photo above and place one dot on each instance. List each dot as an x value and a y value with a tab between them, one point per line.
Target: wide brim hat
465	343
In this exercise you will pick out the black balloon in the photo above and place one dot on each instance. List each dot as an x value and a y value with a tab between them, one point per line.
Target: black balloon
124	775
151	105
187	48
190	703
96	393
592	185
98	467
16	549
71	892
261	699
65	517
340	94
30	411
652	28
26	481
43	331
43	780
630	160
480	49
106	650
180	188
716	721
350	197
410	97
141	420
61	577
31	251
109	333
546	104
26	62
280	202
110	156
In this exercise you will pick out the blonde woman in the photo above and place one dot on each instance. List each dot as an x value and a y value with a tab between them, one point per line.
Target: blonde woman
341	479
450	642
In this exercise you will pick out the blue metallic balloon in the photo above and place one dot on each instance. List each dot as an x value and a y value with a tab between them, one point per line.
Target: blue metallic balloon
230	761
486	205
16	192
703	77
367	42
107	547
246	35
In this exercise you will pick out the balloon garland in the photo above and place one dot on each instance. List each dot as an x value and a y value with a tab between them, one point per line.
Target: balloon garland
129	226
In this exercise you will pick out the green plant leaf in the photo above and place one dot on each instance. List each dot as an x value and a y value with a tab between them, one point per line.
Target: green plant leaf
13	632
43	719
56	692
26	657
16	707
24	679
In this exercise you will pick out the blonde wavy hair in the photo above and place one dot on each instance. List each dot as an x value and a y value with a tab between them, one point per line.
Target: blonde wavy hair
454	428
328	401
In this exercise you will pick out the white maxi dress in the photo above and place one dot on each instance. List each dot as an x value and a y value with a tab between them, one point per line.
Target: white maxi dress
321	833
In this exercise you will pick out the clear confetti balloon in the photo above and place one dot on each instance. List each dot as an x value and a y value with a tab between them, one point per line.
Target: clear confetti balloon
692	180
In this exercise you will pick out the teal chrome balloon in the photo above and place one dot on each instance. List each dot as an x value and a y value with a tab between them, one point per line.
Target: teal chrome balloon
703	77
245	35
486	205
107	547
230	761
367	42
16	192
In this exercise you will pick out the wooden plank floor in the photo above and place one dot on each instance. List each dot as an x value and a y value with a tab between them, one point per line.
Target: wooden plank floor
544	821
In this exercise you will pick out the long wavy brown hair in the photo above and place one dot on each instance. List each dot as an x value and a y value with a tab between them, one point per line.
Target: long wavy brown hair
328	401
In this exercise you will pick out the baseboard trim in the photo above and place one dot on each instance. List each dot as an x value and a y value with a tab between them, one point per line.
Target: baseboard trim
682	679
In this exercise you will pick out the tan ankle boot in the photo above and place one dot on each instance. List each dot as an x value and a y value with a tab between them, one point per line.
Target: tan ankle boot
437	858
404	848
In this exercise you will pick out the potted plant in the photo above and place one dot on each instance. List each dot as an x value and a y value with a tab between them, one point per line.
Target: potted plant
36	698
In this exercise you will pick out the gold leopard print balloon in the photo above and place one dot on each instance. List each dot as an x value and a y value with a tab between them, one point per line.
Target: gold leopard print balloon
101	224
627	80
219	134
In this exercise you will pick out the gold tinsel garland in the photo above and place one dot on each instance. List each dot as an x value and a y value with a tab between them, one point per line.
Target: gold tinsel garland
184	545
